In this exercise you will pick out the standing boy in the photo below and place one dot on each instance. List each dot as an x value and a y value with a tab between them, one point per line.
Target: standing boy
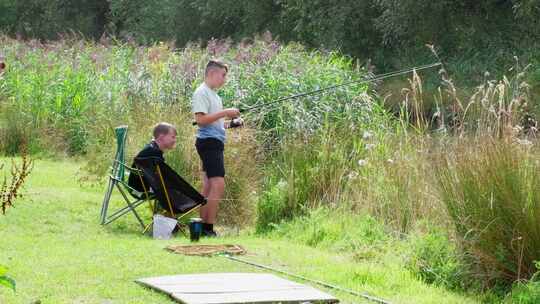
210	117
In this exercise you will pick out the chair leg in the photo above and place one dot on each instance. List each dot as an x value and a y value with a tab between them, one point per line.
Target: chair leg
118	213
131	206
188	212
182	229
154	208
148	227
106	199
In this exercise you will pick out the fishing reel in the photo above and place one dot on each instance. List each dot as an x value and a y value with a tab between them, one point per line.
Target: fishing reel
236	122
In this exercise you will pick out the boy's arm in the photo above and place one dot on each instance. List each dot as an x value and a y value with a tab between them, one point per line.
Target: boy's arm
205	119
200	106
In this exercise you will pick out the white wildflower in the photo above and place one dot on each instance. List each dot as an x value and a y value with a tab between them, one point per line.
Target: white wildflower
524	142
353	175
362	162
367	135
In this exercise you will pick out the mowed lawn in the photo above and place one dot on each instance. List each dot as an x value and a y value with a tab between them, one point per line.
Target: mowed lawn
57	252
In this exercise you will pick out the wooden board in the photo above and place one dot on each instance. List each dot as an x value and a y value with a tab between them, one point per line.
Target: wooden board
229	288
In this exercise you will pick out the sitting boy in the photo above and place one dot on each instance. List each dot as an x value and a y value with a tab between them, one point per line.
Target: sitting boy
164	139
176	195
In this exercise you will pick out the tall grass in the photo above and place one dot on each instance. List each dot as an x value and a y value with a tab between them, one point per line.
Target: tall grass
312	170
488	180
471	169
491	191
78	90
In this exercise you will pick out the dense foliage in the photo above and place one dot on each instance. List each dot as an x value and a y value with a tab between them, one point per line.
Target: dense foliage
470	31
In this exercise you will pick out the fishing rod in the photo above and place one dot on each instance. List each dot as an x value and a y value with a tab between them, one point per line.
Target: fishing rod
361	81
321	283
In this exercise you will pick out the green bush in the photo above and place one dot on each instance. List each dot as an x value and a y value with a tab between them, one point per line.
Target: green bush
272	207
436	260
14	131
525	292
302	179
320	228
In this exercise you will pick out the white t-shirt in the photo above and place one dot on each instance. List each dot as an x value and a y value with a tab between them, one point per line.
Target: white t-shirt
207	101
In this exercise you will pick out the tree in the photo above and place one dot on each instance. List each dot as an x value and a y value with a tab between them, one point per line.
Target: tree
45	19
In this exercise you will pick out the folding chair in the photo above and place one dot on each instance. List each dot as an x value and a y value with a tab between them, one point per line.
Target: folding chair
176	197
118	180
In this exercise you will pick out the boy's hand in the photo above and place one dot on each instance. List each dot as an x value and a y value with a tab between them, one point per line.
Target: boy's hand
237	122
232	112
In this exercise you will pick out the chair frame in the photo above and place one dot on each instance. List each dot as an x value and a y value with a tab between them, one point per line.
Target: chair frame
171	213
117	180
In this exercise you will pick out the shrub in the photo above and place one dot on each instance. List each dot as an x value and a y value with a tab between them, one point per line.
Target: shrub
524	292
436	260
76	89
272	207
319	228
14	131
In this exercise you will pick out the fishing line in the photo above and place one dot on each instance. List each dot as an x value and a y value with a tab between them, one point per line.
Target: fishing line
362	81
321	283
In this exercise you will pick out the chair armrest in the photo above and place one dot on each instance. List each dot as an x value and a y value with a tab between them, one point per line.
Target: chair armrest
129	168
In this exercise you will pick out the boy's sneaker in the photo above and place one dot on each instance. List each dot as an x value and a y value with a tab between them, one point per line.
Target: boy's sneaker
209	233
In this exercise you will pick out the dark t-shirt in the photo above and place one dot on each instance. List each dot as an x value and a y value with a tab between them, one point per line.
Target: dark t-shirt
149	150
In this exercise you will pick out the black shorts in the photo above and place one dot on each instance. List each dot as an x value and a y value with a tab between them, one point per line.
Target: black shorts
211	153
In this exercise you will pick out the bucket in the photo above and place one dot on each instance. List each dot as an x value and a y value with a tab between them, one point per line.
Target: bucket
163	227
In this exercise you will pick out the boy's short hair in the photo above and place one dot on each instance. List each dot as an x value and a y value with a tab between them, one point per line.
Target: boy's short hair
162	128
215	63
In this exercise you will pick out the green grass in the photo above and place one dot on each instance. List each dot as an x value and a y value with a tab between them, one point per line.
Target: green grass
58	253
